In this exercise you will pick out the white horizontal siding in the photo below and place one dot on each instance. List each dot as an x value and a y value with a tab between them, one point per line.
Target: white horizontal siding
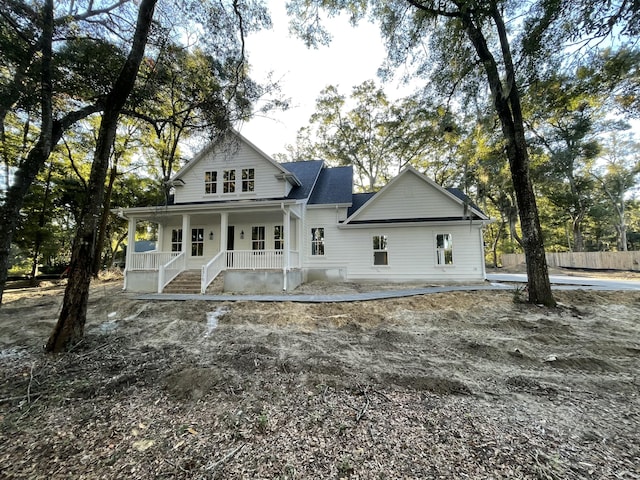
212	247
410	197
326	218
266	185
411	251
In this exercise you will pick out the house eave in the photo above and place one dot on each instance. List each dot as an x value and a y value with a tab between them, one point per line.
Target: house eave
180	208
327	205
414	222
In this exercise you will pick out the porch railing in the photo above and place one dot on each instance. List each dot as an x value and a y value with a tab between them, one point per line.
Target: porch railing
171	270
150	260
254	259
211	270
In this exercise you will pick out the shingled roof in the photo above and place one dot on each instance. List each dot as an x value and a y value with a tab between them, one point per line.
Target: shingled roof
334	186
307	173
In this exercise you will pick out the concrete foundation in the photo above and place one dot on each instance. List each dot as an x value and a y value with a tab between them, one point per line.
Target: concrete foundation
260	281
142	281
325	275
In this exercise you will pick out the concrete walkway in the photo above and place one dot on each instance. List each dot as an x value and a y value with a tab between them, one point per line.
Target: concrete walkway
494	282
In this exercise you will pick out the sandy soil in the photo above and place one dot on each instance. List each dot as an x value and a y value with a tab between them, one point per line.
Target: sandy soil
459	385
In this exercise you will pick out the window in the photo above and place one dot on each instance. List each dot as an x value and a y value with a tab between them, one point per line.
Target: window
210	182
248	175
444	249
229	181
278	237
257	238
380	254
317	241
197	242
176	240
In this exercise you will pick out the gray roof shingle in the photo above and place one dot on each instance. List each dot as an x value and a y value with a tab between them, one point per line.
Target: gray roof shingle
307	172
334	186
359	199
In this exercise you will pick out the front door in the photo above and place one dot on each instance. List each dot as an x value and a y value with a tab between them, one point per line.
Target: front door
230	238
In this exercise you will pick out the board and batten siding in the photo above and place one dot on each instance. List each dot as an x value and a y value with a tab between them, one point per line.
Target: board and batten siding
411	251
266	185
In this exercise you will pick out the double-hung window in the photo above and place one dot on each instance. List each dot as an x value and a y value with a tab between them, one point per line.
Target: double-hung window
197	242
317	241
229	181
380	253
257	238
444	249
278	237
248	177
210	182
176	240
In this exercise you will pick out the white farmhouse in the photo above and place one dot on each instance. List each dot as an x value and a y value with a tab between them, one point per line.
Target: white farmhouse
268	226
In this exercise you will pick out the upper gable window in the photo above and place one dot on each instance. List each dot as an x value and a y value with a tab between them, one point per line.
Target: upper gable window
210	182
248	176
229	181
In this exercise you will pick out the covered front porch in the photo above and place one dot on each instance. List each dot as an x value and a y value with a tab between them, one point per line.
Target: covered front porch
214	241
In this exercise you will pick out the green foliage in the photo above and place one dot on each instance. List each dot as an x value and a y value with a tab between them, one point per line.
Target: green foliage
380	137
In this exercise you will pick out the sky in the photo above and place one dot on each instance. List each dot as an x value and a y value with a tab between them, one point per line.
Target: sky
353	56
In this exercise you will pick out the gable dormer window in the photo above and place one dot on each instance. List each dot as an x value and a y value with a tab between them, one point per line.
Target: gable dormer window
248	176
210	182
229	181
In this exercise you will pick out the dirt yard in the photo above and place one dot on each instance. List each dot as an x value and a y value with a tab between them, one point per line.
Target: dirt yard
459	385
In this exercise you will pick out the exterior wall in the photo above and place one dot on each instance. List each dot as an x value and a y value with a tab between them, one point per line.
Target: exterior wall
411	251
334	257
241	223
238	157
410	197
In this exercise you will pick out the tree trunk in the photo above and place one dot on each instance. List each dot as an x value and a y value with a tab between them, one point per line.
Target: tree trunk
42	219
69	329
36	158
507	105
578	240
496	240
104	219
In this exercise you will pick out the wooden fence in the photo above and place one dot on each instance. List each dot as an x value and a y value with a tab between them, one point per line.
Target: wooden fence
590	260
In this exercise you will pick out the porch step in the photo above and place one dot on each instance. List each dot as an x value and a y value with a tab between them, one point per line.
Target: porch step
187	282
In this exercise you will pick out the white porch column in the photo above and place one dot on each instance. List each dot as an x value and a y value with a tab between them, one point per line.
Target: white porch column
160	245
131	246
224	225
186	232
131	242
286	222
